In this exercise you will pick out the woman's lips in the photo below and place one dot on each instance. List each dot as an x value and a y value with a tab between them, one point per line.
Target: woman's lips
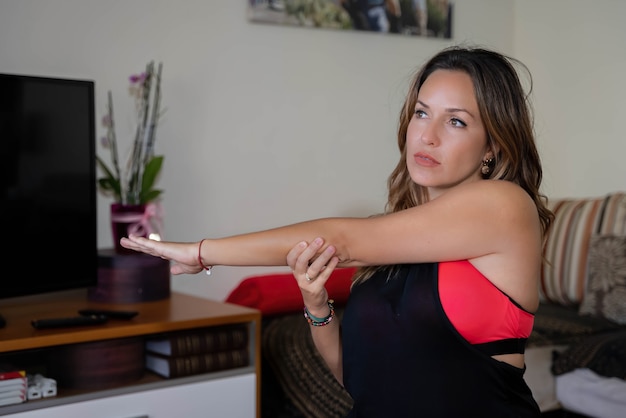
425	160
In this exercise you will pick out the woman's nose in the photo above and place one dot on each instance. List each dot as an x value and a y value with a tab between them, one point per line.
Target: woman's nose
429	134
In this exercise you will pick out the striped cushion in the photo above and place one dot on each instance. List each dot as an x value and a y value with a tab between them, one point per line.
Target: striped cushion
564	272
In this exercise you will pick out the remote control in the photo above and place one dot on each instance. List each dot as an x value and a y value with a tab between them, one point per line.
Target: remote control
111	314
76	321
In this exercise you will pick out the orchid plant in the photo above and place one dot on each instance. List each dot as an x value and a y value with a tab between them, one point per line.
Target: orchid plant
136	184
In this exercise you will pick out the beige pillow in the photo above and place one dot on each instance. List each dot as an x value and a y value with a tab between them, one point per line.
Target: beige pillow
606	281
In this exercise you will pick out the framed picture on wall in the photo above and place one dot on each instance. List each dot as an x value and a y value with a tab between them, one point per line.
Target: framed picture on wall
430	18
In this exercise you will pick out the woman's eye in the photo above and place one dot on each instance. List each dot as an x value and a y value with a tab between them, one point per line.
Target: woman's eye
420	113
457	122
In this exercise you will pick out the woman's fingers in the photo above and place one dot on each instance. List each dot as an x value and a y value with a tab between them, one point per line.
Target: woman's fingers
294	253
307	262
141	244
312	270
184	255
328	269
320	264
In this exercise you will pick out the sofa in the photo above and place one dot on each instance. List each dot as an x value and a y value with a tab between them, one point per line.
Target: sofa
576	354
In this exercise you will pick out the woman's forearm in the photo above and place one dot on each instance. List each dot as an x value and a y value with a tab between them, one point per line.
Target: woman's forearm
327	340
270	247
263	248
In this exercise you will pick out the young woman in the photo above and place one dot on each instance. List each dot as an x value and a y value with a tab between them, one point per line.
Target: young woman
442	306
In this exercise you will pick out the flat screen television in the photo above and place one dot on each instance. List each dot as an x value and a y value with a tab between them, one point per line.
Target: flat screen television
48	218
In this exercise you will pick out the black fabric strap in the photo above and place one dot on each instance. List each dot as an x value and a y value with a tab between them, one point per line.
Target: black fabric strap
508	346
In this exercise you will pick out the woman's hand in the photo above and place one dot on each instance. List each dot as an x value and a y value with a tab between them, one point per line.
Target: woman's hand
184	255
312	270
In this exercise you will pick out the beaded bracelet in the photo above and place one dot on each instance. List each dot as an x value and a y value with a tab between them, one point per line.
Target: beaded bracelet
320	322
207	268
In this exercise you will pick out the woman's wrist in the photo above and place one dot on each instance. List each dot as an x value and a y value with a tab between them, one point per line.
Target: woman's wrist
320	321
321	312
207	268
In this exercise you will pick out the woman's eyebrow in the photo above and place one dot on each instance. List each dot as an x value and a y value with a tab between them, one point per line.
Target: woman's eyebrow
449	109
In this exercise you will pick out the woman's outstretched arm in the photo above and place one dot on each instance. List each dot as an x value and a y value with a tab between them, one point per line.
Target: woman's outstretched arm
484	218
263	248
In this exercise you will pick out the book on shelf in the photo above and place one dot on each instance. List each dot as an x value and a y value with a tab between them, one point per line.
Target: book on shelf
7	372
205	340
13	396
12	393
12	400
13	383
179	366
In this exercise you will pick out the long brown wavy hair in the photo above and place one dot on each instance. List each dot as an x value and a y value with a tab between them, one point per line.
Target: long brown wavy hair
507	116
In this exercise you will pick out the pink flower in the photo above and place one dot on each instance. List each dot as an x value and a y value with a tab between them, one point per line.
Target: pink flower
130	186
137	78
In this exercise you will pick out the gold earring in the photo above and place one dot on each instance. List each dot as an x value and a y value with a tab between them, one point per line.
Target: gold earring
486	168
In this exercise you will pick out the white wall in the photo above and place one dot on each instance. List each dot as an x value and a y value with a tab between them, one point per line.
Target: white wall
576	51
268	125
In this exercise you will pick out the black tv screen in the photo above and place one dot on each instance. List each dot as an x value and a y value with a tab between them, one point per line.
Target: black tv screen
48	217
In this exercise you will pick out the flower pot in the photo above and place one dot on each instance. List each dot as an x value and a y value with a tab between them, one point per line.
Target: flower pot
144	220
125	219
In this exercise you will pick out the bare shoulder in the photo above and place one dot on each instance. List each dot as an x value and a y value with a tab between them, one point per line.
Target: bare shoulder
498	190
514	230
486	221
499	199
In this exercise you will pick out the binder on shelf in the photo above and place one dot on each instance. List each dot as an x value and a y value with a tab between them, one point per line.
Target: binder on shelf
206	340
179	366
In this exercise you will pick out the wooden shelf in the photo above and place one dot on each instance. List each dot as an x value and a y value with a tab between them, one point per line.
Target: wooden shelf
176	313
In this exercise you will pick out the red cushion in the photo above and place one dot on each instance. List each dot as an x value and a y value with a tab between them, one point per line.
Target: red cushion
279	293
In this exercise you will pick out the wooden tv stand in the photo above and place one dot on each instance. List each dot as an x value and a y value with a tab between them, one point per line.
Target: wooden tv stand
229	393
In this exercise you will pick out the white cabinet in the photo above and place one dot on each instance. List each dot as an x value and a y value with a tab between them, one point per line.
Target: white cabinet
226	397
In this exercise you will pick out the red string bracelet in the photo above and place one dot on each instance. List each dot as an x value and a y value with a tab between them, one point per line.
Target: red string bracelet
207	268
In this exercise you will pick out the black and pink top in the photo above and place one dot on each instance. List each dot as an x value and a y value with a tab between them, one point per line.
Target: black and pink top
404	357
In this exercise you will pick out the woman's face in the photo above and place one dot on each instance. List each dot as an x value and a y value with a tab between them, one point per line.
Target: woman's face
446	141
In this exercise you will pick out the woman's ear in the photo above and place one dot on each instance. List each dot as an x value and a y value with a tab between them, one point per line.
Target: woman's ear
491	153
